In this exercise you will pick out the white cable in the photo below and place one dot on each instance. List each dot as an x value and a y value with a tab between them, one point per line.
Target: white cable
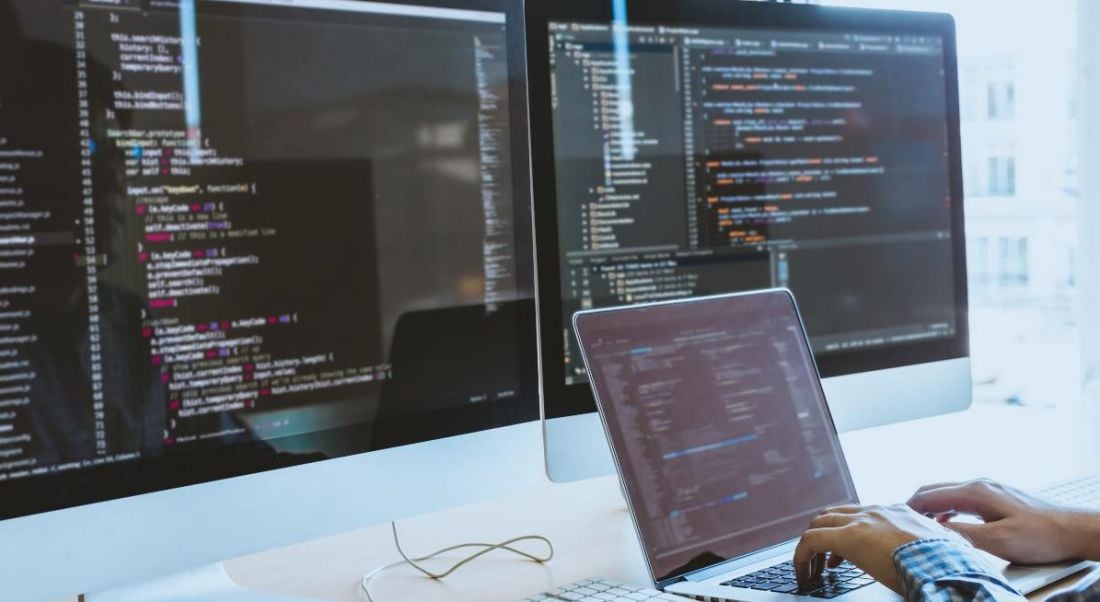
364	583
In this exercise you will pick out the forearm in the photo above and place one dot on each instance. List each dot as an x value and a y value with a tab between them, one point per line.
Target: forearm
1082	532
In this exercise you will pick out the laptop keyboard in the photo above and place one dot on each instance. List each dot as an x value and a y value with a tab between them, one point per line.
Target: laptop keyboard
781	579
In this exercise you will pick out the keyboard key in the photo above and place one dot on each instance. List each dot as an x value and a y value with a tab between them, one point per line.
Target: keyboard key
602	590
833	589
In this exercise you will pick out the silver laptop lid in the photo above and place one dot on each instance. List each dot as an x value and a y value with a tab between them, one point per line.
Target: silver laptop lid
717	423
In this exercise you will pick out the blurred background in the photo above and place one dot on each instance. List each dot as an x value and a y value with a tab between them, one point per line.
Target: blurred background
1023	79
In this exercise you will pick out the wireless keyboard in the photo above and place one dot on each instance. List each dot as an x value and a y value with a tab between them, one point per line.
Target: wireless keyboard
779	578
599	589
1082	492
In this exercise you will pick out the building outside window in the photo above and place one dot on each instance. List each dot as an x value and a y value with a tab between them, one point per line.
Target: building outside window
1012	264
978	262
1000	99
1002	177
1019	78
989	176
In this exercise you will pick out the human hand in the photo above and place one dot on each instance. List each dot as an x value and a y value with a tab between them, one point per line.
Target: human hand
1017	526
865	536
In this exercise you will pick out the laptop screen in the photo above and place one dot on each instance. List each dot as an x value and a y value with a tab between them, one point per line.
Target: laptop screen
718	423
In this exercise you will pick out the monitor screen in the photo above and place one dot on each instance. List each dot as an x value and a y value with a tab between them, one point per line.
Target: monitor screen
239	235
694	157
715	413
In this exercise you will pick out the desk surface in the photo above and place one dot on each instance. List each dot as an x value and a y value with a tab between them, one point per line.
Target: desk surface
591	529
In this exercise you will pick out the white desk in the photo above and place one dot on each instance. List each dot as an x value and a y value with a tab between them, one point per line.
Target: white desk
591	529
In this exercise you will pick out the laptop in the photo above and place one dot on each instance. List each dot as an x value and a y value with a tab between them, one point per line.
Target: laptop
723	441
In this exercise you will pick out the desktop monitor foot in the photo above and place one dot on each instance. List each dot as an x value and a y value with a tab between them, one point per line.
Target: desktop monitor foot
210	583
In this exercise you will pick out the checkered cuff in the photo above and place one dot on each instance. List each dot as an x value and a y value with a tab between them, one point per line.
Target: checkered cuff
944	570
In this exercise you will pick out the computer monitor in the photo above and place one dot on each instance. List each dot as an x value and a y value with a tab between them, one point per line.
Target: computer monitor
265	275
706	146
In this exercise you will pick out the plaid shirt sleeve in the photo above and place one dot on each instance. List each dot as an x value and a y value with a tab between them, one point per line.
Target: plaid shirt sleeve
939	570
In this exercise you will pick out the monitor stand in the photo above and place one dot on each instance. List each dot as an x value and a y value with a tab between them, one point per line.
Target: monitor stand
209	583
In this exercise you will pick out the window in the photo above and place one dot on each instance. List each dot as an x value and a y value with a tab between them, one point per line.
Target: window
978	262
989	176
1002	176
1001	100
1012	262
1020	78
987	83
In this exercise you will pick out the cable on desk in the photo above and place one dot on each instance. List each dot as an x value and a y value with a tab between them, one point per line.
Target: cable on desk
364	584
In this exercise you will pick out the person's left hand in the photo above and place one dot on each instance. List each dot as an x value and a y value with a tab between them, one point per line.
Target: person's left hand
866	536
1016	526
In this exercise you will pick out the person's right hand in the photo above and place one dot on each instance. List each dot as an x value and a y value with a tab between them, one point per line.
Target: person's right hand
1017	527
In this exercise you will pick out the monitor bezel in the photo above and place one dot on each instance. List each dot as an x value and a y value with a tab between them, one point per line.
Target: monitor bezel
561	400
